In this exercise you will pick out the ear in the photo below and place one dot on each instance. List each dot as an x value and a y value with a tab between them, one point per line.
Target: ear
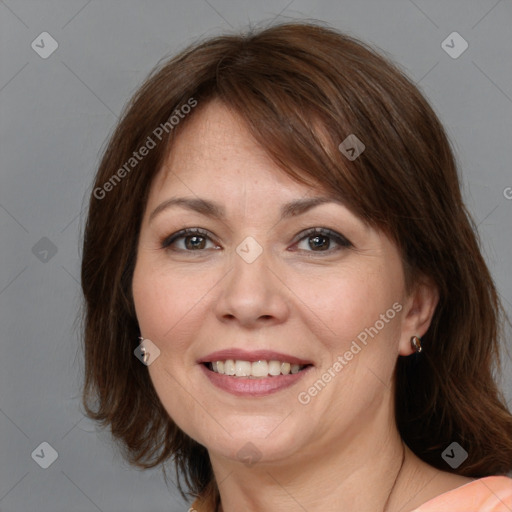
419	309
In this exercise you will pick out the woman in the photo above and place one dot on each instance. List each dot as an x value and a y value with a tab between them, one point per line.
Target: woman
276	231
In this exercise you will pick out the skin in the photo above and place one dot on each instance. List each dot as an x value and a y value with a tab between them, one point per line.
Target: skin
342	450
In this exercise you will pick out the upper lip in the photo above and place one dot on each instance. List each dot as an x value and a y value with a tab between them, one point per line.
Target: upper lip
252	356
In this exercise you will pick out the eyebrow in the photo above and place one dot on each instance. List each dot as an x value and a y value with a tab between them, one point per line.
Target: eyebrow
216	210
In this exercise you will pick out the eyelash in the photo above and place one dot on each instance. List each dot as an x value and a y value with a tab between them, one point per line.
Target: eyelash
342	242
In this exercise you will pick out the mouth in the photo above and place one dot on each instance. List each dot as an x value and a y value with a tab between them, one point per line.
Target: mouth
260	369
255	373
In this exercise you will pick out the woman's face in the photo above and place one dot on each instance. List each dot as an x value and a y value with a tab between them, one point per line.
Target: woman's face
255	284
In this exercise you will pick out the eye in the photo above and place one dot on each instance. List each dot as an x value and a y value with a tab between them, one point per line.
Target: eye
195	239
315	240
321	240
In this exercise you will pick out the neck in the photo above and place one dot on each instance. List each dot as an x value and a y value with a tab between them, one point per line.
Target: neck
363	474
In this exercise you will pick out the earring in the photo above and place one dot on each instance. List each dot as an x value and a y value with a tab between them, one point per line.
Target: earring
416	344
145	355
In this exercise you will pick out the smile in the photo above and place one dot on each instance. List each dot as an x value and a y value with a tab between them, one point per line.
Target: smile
251	386
254	370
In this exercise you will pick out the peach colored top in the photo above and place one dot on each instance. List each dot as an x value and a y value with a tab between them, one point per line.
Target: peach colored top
488	494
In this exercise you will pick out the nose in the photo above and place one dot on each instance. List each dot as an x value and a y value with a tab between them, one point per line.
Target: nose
252	295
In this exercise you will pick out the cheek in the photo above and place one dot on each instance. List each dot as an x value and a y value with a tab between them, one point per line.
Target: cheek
348	302
151	297
165	312
160	301
168	302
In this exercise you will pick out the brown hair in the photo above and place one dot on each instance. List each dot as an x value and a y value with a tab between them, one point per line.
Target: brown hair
302	89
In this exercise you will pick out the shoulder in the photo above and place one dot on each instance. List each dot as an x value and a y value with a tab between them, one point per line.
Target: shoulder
488	494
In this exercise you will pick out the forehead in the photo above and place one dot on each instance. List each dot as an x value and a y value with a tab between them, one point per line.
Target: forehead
216	148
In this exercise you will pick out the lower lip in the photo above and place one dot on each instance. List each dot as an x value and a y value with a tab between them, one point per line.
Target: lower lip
263	386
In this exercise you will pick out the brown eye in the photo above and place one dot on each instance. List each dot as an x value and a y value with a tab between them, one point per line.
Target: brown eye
195	242
194	239
322	240
319	242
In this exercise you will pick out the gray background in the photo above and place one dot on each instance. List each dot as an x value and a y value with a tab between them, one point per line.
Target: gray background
55	115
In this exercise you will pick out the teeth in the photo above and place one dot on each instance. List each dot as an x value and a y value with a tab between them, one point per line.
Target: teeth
229	367
243	368
285	368
256	369
259	369
274	368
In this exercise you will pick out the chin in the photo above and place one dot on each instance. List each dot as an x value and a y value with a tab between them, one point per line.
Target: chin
255	444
